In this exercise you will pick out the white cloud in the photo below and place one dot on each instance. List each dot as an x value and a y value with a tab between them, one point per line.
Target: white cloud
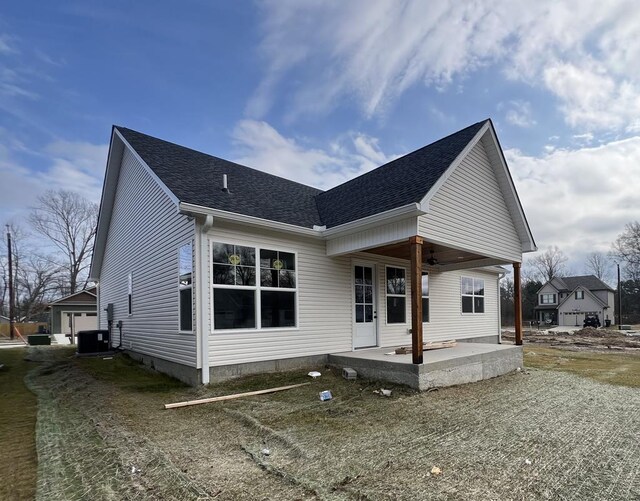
75	166
260	146
519	113
579	199
584	52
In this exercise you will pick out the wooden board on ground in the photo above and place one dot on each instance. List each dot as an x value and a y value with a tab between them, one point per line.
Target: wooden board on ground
230	397
405	350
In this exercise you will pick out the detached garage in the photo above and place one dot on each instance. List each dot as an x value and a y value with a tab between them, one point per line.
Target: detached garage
74	313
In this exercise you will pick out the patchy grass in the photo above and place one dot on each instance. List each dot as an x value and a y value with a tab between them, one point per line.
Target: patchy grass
535	435
621	369
127	374
18	461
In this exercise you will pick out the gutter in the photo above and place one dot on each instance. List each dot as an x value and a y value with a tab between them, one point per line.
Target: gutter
398	213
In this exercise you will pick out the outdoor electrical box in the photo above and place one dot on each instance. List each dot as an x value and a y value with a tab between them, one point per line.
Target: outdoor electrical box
109	310
93	342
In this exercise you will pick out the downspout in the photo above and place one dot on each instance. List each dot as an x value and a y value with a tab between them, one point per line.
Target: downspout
202	302
500	277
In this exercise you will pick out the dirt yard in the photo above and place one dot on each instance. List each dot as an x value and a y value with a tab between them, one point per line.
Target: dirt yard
536	434
583	339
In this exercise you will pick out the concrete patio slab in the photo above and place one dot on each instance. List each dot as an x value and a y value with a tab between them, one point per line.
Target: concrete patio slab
463	363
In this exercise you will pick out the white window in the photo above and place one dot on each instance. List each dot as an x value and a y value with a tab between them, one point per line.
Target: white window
185	284
425	297
396	295
579	294
251	293
472	292
130	294
547	299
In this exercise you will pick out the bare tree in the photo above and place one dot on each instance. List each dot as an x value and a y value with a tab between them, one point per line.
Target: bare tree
69	221
37	281
626	249
549	264
598	264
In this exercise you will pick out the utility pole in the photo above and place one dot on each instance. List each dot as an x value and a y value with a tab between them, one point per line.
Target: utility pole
619	300
11	303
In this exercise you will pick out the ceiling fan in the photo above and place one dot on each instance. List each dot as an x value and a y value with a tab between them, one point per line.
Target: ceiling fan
432	261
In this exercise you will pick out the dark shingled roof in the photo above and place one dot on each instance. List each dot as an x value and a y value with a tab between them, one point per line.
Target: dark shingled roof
196	178
400	182
590	282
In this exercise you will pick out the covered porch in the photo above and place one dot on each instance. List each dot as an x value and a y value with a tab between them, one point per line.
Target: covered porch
437	258
460	364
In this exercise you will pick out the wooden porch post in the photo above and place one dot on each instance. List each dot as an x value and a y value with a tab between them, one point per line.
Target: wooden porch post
517	302
416	298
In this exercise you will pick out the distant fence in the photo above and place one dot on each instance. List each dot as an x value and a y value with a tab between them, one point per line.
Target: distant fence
24	328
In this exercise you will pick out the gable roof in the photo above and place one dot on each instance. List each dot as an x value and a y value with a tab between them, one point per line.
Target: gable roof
193	181
400	182
86	296
568	284
587	292
196	178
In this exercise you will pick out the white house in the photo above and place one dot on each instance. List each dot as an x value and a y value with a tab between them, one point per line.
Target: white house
211	269
568	300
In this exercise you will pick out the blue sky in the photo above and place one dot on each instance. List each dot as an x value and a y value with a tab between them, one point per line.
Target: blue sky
322	91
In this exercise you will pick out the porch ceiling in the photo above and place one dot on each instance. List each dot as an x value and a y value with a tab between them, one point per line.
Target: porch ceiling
445	256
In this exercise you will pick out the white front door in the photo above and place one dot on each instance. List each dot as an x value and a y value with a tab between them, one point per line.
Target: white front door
365	308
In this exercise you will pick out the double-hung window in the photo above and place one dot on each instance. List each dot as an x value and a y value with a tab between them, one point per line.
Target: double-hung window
185	283
277	288
547	299
472	292
579	294
253	288
396	296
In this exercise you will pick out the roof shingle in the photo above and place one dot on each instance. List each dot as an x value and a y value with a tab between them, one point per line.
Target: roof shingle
196	178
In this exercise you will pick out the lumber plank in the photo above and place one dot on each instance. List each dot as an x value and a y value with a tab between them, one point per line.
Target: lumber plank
231	397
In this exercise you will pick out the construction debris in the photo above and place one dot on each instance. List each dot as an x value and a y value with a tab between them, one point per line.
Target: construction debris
349	373
314	374
325	395
230	397
405	350
436	471
383	392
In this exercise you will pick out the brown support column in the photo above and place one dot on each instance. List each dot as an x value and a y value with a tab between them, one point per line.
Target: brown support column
416	298
517	302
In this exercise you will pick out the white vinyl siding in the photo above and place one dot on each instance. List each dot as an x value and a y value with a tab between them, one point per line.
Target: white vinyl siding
469	212
324	303
144	234
397	231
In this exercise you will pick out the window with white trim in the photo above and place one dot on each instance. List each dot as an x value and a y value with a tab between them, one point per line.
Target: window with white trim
547	299
396	295
185	281
579	294
250	293
130	294
472	292
425	297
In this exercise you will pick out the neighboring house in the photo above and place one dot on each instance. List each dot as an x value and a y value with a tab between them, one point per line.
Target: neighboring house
567	300
74	313
209	269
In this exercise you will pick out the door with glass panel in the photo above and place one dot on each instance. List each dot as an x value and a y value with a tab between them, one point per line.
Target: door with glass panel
364	307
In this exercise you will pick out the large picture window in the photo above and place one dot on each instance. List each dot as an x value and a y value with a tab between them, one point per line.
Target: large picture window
472	292
425	297
253	288
185	265
396	296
